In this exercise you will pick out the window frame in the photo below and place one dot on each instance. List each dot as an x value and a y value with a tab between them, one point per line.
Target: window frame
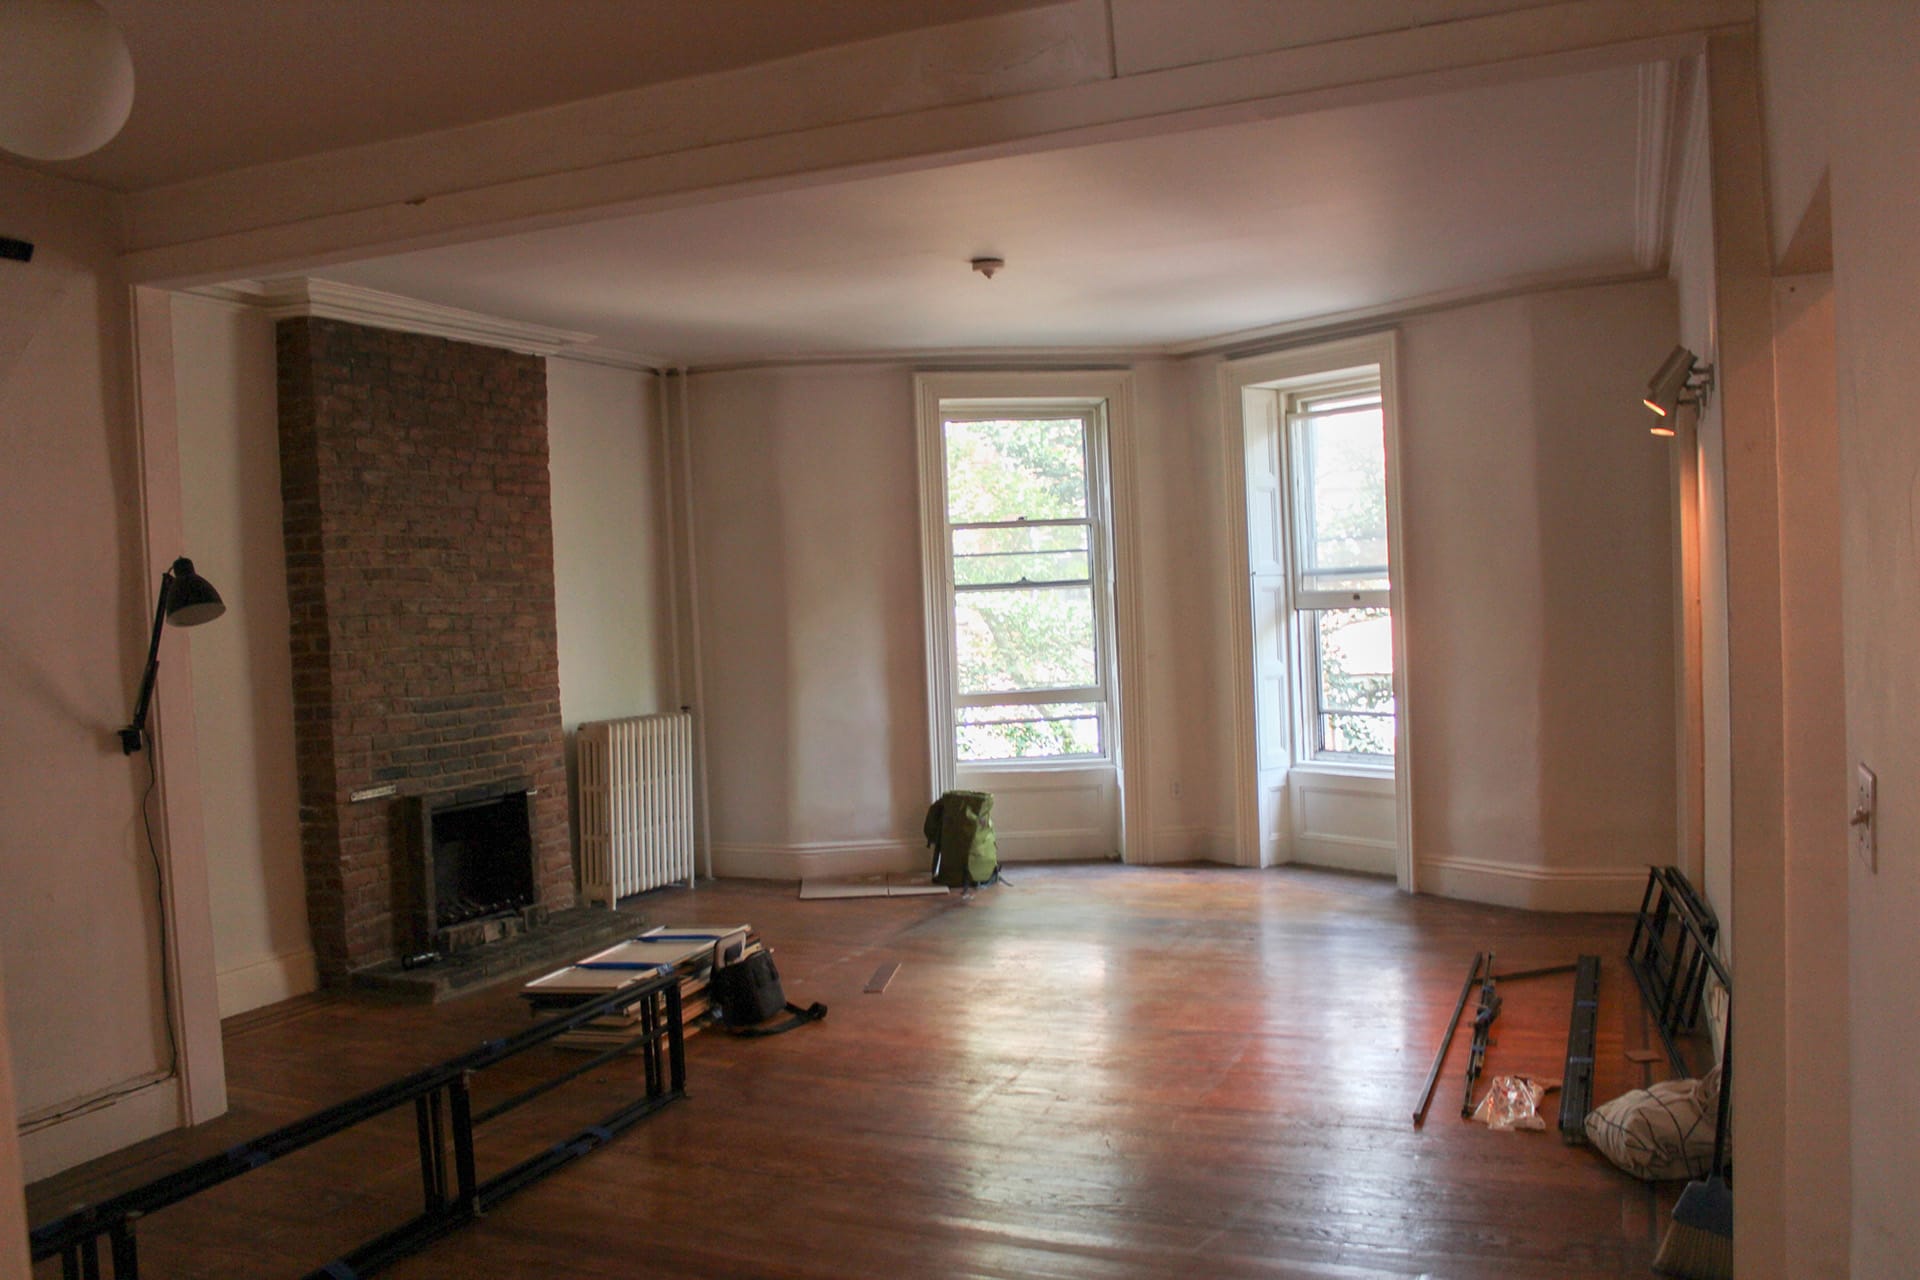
1098	523
1305	603
1111	391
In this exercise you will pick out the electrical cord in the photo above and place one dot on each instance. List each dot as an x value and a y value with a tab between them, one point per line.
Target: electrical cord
160	909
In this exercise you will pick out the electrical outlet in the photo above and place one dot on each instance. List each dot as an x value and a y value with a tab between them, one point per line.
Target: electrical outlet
1864	819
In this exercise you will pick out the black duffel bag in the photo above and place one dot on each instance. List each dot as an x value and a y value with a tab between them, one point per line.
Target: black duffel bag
747	992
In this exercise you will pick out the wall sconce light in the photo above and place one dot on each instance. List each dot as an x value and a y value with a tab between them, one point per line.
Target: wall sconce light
1680	380
186	600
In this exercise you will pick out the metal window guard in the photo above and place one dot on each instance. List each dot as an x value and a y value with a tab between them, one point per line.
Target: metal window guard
1671	954
443	1110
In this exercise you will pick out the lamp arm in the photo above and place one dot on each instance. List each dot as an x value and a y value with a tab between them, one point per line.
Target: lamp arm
130	737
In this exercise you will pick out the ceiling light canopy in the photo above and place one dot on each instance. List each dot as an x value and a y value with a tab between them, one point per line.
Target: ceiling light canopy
66	78
1681	379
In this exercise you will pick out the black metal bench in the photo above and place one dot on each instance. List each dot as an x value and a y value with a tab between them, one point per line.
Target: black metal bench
444	1115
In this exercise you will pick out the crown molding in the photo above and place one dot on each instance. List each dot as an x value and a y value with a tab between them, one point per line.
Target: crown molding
607	357
1336	324
299	296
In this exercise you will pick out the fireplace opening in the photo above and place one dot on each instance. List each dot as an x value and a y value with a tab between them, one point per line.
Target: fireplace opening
478	866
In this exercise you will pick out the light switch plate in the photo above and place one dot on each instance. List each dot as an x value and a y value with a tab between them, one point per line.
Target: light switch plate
1865	818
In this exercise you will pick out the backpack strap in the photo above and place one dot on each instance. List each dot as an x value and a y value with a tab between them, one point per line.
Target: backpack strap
801	1017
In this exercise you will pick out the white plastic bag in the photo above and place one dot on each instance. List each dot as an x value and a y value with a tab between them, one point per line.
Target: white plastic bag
1513	1102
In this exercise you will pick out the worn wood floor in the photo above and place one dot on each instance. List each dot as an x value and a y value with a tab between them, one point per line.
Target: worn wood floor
1092	1072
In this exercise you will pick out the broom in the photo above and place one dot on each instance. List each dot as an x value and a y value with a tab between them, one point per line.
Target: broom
1699	1244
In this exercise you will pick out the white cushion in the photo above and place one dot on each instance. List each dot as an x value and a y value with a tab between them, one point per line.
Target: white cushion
1662	1133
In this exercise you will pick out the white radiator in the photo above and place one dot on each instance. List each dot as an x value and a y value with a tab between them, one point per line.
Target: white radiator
635	780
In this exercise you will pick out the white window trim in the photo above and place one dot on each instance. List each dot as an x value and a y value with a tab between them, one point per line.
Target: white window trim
1109	394
1307	365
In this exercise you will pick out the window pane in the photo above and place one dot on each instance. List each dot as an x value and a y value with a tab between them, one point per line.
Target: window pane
1355	662
1042	553
1028	732
1016	469
1343	472
1024	638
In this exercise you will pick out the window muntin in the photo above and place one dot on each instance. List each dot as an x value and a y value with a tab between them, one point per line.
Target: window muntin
1341	576
1026	556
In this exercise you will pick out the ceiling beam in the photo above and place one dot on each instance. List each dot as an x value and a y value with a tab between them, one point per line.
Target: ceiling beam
1015	83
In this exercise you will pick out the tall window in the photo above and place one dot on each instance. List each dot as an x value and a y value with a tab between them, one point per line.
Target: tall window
1027	551
1337	456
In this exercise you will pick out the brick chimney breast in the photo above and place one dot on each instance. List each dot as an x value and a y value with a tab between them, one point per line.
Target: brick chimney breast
419	539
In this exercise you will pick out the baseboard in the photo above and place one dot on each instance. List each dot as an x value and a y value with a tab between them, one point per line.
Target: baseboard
1343	853
1064	844
1180	844
1508	884
820	858
101	1128
269	981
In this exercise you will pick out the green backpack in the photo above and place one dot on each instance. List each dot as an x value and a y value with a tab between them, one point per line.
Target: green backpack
959	826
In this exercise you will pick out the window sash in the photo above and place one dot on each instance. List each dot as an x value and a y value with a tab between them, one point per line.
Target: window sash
1301	410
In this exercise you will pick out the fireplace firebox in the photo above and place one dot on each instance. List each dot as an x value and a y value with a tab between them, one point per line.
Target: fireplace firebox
476	880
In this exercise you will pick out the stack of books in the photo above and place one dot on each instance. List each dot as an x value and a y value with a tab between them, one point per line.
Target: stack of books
687	950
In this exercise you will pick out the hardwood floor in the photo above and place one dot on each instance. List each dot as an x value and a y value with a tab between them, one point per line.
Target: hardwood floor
1092	1072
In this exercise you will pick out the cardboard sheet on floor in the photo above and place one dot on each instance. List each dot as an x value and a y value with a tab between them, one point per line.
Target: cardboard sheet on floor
896	884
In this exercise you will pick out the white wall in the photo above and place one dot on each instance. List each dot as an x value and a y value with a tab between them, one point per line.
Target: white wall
1700	466
1815	1228
611	575
225	405
1179	485
1876	277
1539	601
1539	597
79	933
610	571
806	521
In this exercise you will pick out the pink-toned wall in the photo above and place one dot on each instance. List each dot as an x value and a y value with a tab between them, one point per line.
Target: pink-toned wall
1876	277
225	407
79	934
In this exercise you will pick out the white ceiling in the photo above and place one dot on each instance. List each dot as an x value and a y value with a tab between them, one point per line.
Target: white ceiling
285	78
1149	242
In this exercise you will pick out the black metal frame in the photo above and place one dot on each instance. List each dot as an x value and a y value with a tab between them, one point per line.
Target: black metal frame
1446	1041
443	1110
1576	1089
1670	955
1483	1017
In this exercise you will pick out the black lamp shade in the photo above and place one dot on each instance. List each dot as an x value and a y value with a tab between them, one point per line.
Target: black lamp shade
191	599
186	600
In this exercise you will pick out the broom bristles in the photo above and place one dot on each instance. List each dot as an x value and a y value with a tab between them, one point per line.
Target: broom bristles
1699	1244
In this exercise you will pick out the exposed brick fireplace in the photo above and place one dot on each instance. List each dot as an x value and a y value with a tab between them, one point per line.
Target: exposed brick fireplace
420	574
